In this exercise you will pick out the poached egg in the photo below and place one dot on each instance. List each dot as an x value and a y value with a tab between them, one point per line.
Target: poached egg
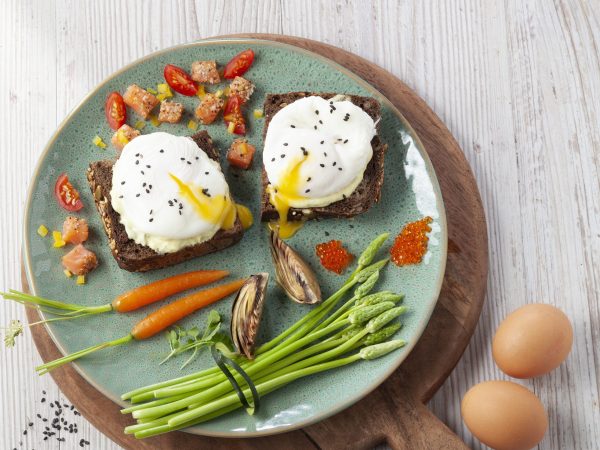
315	154
169	193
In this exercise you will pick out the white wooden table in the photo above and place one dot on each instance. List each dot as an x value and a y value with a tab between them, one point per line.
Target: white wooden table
518	84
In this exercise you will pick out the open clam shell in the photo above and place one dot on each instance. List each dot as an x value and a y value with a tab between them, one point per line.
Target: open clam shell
294	275
247	312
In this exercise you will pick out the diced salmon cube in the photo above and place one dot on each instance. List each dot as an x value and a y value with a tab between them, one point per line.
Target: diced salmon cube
241	153
170	112
205	72
242	88
80	260
208	109
123	135
140	100
75	230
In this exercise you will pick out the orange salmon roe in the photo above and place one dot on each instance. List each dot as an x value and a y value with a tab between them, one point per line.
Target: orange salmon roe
333	256
411	244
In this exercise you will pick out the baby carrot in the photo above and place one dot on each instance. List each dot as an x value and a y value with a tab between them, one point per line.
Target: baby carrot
155	322
169	314
129	301
158	290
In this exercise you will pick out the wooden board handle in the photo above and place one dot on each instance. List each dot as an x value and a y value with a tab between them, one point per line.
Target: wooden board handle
394	416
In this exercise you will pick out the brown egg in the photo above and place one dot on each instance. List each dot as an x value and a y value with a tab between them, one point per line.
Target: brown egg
532	341
504	415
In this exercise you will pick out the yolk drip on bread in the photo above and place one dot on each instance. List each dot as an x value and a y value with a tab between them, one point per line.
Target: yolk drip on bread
283	195
315	154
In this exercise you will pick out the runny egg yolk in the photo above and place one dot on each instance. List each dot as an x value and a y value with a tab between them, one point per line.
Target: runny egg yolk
245	216
218	209
280	198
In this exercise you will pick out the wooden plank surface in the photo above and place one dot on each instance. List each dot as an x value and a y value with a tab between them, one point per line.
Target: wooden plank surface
517	83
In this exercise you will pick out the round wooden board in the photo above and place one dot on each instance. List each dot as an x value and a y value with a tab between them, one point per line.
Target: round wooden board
395	412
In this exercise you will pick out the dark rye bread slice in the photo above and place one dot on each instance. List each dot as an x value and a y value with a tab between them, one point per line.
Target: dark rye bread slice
367	192
139	258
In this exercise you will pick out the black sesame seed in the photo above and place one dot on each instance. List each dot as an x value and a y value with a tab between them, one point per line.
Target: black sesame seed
24	432
285	144
321	122
120	196
150	186
142	172
44	392
143	184
197	158
308	179
325	154
340	169
317	112
322	142
151	211
205	173
148	166
307	191
334	163
205	192
170	203
161	150
272	159
322	165
179	212
39	416
122	183
30	424
183	159
137	155
137	195
151	219
346	141
293	126
189	163
282	155
327	233
315	127
137	162
331	102
147	191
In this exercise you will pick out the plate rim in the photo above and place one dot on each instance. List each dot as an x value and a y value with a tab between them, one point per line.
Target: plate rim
421	325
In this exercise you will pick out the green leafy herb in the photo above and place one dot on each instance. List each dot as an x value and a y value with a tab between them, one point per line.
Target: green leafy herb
181	340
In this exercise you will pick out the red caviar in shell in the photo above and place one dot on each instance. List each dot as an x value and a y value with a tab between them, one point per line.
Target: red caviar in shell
411	244
334	256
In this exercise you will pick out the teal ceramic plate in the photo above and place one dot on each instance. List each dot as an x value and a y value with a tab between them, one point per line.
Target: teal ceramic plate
410	192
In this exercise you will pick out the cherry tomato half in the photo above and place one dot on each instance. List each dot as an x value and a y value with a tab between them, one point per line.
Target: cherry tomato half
66	195
233	113
180	80
239	64
114	108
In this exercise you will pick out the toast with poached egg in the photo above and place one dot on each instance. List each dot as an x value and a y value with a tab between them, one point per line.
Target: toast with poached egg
158	232
324	159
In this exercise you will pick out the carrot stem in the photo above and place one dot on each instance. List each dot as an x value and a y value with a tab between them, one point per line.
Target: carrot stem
45	368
